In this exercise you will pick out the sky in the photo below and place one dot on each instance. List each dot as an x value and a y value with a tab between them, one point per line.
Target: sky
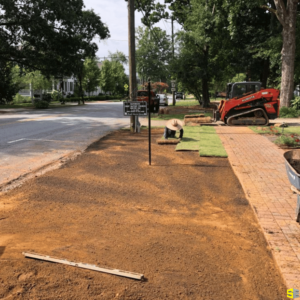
114	14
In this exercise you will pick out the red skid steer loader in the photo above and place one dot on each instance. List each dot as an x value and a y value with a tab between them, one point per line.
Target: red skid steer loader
247	103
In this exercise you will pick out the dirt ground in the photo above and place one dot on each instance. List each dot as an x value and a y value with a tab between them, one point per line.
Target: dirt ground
184	223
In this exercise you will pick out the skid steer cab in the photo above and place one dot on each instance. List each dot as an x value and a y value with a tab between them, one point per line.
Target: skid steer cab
248	103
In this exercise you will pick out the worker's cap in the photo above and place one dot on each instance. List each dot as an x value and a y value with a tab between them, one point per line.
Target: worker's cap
174	124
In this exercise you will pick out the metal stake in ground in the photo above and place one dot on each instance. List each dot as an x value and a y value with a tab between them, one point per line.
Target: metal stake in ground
149	119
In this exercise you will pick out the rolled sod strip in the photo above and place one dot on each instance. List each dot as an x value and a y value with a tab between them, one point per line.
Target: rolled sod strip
210	143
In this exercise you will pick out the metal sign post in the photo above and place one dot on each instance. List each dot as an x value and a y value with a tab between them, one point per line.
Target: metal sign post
149	119
173	89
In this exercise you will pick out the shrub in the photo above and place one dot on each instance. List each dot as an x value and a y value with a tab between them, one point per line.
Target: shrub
289	112
21	99
296	103
286	140
41	104
95	98
57	95
47	97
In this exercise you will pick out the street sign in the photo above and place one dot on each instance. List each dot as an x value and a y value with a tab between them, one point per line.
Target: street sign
173	84
135	108
173	81
173	89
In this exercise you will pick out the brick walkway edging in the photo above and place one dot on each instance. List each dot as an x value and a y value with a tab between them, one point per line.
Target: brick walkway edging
259	166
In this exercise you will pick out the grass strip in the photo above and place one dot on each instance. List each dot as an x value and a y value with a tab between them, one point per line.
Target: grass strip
177	116
190	140
268	130
210	143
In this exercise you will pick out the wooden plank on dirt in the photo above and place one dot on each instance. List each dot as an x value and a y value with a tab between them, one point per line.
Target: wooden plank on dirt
117	272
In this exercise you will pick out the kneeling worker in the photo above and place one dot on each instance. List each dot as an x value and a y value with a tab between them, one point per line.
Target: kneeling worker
171	127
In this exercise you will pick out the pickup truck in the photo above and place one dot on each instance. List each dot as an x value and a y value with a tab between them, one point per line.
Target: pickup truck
142	95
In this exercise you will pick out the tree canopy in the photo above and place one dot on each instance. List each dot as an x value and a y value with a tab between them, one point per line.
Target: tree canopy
257	38
153	53
91	75
49	36
112	76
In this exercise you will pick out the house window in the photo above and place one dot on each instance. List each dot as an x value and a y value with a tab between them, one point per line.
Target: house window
71	87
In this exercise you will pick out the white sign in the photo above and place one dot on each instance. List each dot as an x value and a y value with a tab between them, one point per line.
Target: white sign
173	90
173	85
173	81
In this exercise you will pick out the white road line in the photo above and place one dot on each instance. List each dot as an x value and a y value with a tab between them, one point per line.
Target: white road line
40	140
15	141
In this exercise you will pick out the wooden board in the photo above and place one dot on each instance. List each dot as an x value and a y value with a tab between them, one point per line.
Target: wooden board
85	266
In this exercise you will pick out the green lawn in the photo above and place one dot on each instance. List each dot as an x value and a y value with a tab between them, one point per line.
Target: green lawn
203	139
189	102
19	105
177	116
275	130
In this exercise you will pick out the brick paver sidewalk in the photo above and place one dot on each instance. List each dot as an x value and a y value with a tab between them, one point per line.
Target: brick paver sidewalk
259	165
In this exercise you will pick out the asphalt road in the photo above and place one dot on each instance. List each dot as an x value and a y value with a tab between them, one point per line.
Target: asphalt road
34	138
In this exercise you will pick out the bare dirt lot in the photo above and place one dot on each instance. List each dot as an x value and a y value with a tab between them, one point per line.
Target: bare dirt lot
183	222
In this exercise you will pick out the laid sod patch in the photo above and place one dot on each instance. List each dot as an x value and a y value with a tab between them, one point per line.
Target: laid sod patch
190	140
203	139
210	143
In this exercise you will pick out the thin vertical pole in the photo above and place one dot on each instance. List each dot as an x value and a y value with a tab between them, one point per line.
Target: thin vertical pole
132	66
174	101
173	36
149	119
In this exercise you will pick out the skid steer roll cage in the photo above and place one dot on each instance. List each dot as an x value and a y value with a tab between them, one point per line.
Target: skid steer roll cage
240	89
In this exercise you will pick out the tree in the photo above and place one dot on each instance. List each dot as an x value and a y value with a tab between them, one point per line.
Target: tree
158	87
249	34
119	77
113	77
8	85
153	54
37	81
119	57
50	36
286	13
106	78
188	66
205	48
91	75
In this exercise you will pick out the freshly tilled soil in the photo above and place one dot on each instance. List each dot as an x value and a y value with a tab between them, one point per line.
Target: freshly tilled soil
183	222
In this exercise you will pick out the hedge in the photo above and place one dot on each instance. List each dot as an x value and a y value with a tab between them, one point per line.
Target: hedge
94	98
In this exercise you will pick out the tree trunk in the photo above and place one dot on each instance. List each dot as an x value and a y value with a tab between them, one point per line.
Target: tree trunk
287	15
265	73
205	92
81	91
288	63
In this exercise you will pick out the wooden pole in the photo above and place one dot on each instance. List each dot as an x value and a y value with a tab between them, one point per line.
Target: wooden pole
149	119
118	272
132	65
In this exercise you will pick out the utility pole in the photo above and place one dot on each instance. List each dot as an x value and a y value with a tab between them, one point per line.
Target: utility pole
174	101
132	66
